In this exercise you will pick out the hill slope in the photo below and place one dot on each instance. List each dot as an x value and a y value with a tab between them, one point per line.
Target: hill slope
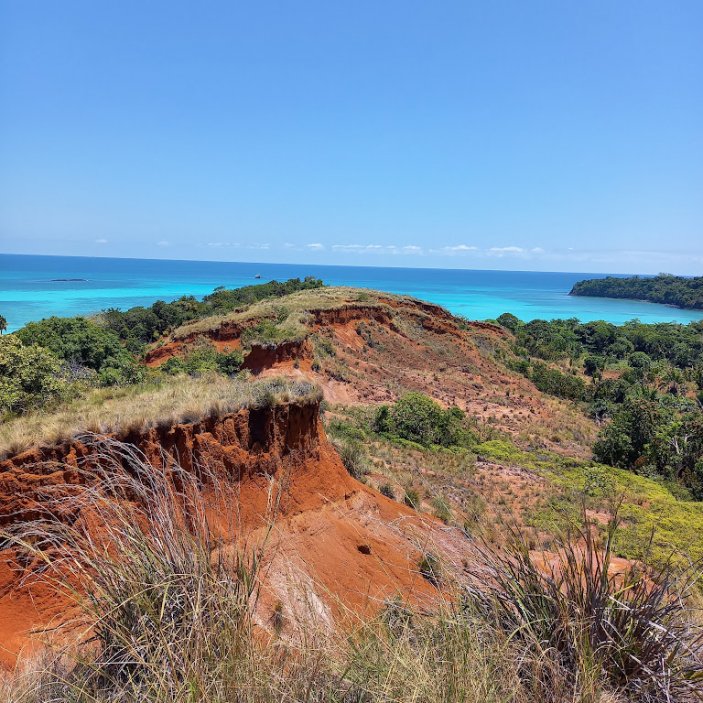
365	347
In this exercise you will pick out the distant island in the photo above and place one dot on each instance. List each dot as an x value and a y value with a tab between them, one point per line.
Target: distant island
664	288
69	280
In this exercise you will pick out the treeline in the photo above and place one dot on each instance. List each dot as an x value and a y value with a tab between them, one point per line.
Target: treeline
664	288
58	358
644	382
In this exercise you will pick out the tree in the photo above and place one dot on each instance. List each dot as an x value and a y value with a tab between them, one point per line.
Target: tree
74	339
509	321
592	365
30	376
3	324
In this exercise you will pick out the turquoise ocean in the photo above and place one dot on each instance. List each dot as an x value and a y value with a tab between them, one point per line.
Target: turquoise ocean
31	289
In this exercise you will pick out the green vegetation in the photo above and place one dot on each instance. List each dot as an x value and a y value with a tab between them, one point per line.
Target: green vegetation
30	376
417	418
202	358
3	324
62	357
84	346
140	326
654	437
664	288
353	455
657	520
647	380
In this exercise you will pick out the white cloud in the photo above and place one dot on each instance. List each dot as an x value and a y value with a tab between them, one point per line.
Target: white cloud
101	241
365	248
460	247
411	249
454	249
502	251
316	246
163	243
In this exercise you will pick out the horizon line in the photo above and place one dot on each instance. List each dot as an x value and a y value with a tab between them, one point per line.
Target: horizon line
323	265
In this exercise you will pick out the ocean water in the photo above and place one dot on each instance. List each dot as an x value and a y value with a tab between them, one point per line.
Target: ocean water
29	289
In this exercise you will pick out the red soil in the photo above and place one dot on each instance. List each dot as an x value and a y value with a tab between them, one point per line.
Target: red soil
336	547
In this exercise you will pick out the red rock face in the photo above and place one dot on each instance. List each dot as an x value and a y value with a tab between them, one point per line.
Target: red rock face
348	546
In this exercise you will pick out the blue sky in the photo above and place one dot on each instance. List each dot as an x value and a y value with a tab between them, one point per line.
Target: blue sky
541	135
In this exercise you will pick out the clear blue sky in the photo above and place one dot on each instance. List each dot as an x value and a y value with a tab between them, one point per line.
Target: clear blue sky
520	135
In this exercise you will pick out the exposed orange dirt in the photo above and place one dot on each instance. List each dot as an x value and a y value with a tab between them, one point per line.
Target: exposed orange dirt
336	545
398	344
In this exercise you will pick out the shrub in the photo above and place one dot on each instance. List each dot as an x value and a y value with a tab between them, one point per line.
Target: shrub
30	376
417	418
593	365
203	357
556	383
509	321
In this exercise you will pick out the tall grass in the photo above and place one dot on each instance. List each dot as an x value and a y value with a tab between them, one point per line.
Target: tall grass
165	615
160	616
629	629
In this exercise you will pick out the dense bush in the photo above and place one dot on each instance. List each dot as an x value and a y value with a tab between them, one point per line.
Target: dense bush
139	326
664	288
83	344
652	437
76	340
556	383
417	418
30	376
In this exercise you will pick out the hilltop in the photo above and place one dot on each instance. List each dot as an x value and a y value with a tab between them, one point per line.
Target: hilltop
365	347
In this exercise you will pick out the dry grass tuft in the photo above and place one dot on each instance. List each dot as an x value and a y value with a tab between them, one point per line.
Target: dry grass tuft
126	409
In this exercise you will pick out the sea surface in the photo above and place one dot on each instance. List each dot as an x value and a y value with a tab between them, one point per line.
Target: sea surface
29	289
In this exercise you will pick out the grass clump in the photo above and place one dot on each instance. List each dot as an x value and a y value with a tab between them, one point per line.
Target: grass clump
430	568
354	457
387	490
629	632
412	498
